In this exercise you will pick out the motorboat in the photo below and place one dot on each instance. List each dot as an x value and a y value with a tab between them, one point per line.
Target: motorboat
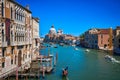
76	49
73	45
55	46
87	50
61	44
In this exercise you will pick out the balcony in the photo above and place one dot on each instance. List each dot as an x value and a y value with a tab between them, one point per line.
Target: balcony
4	44
20	43
12	43
30	42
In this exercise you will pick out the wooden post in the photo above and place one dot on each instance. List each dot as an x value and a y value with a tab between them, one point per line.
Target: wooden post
110	39
38	69
16	73
26	77
8	77
56	56
54	60
43	68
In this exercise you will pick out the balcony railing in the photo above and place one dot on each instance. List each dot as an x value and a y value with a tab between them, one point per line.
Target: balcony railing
17	43
4	44
13	43
30	42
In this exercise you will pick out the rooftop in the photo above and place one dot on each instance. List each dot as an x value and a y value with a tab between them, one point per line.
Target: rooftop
13	1
104	31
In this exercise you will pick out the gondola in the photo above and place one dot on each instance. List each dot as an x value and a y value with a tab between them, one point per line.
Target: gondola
65	72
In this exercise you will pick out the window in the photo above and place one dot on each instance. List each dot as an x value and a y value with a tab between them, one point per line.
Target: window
101	41
2	9
3	52
30	45
26	46
23	57
2	35
15	36
101	36
11	61
11	12
15	59
15	14
36	42
29	55
12	50
3	64
26	56
96	41
2	24
7	4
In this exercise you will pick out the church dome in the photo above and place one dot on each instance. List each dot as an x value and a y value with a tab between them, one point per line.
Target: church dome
52	30
60	32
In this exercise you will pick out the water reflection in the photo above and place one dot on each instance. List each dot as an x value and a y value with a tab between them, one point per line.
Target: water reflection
65	78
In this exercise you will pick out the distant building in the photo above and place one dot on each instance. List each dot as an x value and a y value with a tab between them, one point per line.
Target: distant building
69	39
52	31
117	40
104	40
91	38
53	36
36	37
59	37
60	32
98	39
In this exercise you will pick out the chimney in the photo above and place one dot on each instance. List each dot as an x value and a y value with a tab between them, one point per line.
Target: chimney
27	7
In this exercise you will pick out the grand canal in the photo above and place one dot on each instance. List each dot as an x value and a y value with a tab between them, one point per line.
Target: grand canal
83	65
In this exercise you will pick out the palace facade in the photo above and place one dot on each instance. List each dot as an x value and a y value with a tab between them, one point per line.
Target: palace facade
15	37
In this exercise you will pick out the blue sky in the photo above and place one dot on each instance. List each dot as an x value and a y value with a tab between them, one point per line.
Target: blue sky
75	16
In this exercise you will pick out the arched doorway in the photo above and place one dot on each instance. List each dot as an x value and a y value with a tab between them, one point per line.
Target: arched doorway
15	59
105	45
19	58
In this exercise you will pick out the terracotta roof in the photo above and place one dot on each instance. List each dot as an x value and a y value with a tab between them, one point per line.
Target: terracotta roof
104	31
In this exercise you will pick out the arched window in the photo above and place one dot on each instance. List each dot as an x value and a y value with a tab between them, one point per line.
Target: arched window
11	12
2	35
2	24
15	36
2	32
15	14
2	9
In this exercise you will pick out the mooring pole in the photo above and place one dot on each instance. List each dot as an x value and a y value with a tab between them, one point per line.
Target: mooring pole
17	73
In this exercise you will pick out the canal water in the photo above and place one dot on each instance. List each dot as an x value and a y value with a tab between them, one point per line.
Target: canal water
83	65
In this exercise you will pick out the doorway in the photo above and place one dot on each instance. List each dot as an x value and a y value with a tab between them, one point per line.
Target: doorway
19	58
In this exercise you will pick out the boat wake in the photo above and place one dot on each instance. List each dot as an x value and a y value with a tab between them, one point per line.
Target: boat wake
112	59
